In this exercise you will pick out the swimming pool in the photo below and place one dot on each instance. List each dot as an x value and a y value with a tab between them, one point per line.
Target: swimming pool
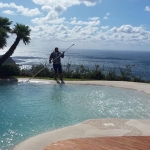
28	109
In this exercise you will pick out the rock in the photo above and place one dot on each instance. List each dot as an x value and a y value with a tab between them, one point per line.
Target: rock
9	61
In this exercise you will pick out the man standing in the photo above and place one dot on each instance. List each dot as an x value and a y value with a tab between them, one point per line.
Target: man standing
55	58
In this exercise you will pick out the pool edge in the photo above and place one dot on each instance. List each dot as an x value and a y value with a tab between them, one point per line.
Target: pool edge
88	129
143	87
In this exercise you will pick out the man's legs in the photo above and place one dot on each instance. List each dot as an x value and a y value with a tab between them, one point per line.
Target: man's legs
55	71
55	76
60	72
57	68
61	76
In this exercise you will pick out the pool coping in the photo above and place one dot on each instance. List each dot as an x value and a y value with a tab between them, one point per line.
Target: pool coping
8	80
91	128
139	86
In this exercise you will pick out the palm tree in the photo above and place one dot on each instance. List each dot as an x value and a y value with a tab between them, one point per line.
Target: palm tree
23	33
4	30
3	36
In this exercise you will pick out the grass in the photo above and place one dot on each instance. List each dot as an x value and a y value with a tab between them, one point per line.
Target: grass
46	78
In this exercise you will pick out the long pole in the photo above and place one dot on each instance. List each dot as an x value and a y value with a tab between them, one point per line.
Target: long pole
51	62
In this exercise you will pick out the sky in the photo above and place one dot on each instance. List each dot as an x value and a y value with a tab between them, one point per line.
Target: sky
89	24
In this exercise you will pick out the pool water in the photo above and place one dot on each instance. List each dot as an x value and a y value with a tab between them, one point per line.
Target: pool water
28	109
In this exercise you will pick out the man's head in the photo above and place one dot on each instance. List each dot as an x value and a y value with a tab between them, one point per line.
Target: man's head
56	49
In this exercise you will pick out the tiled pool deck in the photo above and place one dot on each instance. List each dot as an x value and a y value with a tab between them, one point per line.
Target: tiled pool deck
97	134
103	143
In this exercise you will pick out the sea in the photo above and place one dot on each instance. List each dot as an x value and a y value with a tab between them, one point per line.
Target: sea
89	58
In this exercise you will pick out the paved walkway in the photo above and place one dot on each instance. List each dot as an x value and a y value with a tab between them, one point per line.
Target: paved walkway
92	128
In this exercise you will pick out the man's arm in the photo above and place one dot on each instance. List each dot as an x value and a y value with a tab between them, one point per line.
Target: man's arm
62	55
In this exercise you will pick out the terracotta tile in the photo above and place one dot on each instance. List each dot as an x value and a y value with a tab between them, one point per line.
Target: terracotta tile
103	143
128	142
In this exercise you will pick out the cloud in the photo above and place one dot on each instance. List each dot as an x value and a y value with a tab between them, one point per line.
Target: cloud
128	34
62	32
9	12
128	29
21	9
30	13
46	8
94	18
66	3
89	2
147	8
57	7
87	31
51	18
106	16
92	21
105	27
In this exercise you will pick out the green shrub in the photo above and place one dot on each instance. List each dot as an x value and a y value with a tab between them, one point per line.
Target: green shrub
111	75
9	70
44	73
97	73
82	72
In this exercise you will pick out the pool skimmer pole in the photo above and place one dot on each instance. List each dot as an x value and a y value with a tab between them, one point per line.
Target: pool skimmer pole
50	63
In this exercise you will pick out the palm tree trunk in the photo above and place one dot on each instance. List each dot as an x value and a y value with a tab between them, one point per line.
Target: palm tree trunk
4	57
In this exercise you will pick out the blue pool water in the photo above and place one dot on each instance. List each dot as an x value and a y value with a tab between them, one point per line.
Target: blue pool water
28	109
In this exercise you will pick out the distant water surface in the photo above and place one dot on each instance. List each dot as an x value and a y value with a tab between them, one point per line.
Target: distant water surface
109	59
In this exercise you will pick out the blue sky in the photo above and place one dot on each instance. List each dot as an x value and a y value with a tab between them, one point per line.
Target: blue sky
89	24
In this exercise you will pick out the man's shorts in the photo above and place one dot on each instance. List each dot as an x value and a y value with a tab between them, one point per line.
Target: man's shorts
57	68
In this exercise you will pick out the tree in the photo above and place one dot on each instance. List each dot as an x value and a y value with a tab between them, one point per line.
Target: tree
4	30
23	33
3	36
